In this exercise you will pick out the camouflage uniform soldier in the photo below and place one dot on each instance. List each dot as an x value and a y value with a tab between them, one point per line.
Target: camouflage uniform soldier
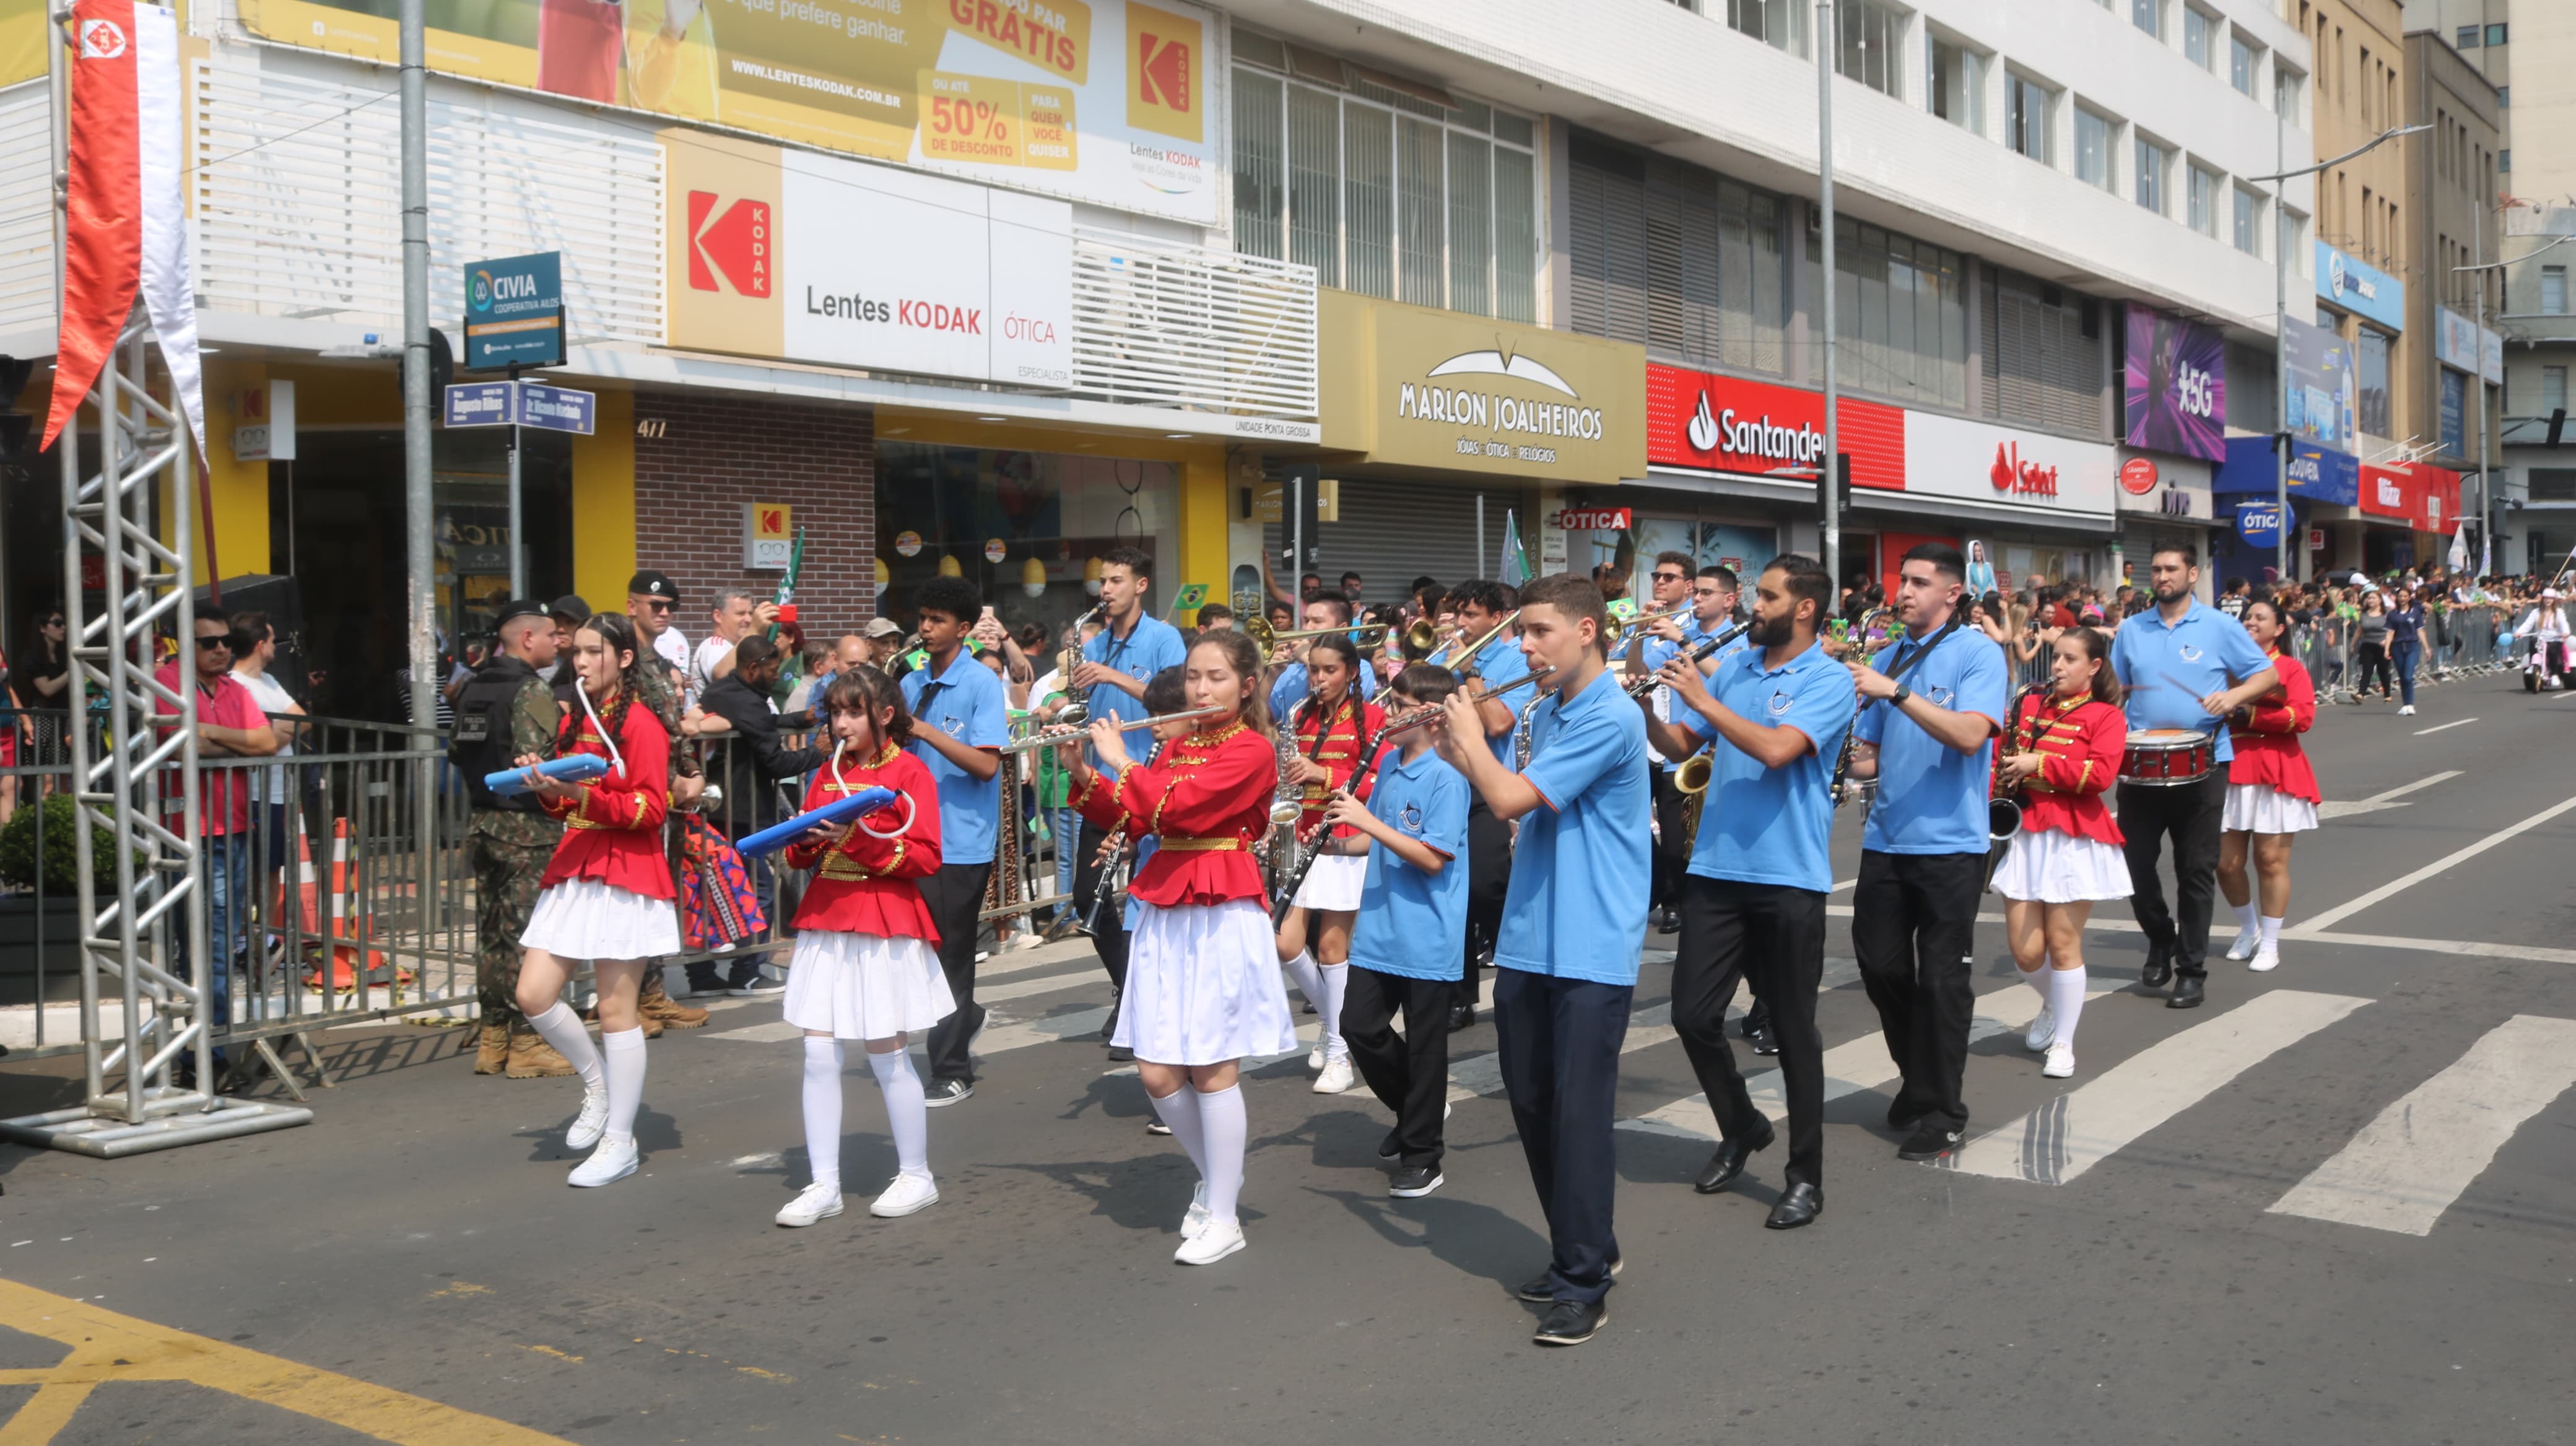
506	712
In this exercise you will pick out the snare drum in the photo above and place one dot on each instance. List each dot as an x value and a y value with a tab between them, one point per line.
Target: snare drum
2168	757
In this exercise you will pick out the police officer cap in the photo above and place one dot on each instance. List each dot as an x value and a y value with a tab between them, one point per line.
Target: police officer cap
653	584
570	608
523	607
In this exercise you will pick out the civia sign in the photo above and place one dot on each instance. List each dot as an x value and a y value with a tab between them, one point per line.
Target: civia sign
1728	434
2011	474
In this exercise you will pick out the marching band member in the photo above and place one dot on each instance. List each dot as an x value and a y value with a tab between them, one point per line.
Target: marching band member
1753	903
1203	985
2272	793
606	895
1295	679
1117	662
2064	755
868	958
1479	607
1572	933
1939	693
961	720
2183	666
1331	728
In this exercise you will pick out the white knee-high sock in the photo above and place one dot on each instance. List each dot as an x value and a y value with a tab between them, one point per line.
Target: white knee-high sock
2245	917
823	1109
1302	973
621	1053
2066	1001
1337	980
1180	1110
907	1116
571	1038
1221	1117
2271	933
2037	979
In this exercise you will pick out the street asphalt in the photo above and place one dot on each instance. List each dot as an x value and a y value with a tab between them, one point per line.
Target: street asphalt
2336	1205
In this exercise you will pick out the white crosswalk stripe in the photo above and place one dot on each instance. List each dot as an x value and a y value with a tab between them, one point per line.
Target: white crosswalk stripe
2057	1143
2405	1168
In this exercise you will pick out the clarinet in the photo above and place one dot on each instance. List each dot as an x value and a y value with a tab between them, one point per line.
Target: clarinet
1851	733
1371	744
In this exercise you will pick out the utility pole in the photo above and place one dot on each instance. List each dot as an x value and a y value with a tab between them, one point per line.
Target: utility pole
419	559
1833	522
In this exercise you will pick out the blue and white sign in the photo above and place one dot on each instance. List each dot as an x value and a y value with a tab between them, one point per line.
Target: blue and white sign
482	404
2360	289
2259	523
557	409
514	312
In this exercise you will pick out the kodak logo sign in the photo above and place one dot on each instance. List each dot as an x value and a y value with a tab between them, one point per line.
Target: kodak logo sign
1164	56
737	243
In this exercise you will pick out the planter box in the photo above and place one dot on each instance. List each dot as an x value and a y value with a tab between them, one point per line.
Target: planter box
20	926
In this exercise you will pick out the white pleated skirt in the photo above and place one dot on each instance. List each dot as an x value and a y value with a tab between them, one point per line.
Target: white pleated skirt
862	986
1203	985
1333	883
2044	866
2261	808
592	919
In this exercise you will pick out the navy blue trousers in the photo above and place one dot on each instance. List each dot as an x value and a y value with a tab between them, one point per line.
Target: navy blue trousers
1558	1043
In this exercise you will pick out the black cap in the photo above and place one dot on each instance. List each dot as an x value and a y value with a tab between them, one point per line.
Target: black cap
523	607
572	609
653	584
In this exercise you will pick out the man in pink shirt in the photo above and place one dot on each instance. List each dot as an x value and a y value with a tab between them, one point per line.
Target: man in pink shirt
229	723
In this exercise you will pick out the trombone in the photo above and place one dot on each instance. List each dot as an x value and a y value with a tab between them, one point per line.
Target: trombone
1266	637
1457	653
1061	735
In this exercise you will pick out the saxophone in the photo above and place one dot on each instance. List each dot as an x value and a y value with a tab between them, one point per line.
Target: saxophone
1524	733
2004	805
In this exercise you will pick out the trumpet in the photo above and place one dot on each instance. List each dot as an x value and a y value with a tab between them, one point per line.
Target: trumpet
1406	722
1457	653
1061	734
1267	637
1641	621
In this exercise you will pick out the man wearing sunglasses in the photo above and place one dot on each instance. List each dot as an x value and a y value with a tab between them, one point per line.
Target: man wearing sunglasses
229	724
650	597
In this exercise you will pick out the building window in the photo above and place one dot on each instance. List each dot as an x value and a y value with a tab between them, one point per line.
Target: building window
2293	235
2468	38
2094	137
2026	121
2504	95
2553	389
2370	356
2553	291
1682	260
2504	160
1780	24
2045	358
2149	16
1900	312
2285	93
2247	230
2550	484
1956	89
1383	192
2203	202
1870	44
2495	35
2241	55
2153	164
2196	29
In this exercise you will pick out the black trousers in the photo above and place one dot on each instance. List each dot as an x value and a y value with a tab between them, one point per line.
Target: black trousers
1111	937
1772	936
1409	1074
1672	851
2191	813
1558	1041
1914	927
1489	877
955	895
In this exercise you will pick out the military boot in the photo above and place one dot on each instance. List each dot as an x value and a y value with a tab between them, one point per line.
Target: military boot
492	1046
532	1058
658	1007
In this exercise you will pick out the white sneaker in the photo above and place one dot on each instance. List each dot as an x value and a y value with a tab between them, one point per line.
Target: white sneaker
2406	710
1214	1242
2042	1030
592	1122
2266	960
2061	1062
2247	940
1194	1221
907	1194
613	1161
1315	1059
1338	1075
821	1201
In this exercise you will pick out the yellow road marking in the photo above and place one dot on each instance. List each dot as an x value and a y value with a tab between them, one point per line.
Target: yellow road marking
107	1347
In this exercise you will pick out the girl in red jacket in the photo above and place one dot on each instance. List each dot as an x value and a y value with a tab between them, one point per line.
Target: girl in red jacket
1331	728
867	956
1203	986
2271	793
2067	744
606	896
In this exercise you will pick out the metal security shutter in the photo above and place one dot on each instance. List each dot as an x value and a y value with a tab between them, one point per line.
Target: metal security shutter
2041	365
1394	532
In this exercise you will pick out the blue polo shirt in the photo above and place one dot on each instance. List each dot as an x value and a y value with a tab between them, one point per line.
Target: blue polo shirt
1498	663
1411	923
966	703
1290	689
1576	908
2169	667
1932	797
1149	647
1770	825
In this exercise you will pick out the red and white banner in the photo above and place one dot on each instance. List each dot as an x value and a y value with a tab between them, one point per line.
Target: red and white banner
127	227
1699	421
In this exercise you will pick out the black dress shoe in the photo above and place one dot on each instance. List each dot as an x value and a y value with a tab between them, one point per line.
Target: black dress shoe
1728	1162
1121	1054
1764	1041
1461	1016
1542	1291
1572	1322
2190	992
2157	972
1801	1205
1757	1020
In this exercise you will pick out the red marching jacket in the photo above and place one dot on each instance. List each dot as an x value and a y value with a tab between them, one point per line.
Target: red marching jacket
1343	735
2082	743
1205	797
613	833
865	883
2266	735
